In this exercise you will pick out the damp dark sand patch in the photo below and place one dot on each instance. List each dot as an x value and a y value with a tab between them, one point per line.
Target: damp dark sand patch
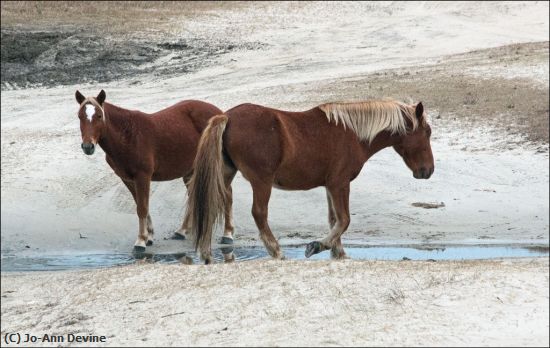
51	58
229	254
428	205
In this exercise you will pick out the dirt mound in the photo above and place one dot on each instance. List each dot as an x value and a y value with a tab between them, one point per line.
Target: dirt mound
49	58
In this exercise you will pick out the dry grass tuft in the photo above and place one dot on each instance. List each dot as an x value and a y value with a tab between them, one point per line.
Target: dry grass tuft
395	296
123	17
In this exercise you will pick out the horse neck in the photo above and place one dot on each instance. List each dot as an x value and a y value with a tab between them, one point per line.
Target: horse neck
119	130
381	141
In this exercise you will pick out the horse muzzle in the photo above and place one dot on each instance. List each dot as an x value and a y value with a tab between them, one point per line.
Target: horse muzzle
88	148
423	173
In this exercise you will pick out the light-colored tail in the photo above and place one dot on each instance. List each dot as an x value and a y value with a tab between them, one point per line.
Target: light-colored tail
207	191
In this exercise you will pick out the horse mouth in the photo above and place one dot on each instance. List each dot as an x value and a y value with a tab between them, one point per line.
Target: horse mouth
423	173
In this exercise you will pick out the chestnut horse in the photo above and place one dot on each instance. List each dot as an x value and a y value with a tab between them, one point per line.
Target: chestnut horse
325	146
141	147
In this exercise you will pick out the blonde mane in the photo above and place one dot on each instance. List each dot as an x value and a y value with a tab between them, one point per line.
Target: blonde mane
367	119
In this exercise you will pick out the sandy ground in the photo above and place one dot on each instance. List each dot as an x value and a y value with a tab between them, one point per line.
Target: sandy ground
480	68
489	111
316	303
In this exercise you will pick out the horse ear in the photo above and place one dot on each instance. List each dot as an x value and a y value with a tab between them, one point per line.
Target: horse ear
101	97
79	97
419	111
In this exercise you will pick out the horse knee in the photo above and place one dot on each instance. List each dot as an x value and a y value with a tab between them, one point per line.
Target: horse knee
259	214
142	212
344	222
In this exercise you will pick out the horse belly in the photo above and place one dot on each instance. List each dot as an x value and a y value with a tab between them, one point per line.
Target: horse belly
165	176
294	186
298	178
174	158
172	168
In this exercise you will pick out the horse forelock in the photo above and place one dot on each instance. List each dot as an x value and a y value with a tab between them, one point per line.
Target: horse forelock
91	101
367	119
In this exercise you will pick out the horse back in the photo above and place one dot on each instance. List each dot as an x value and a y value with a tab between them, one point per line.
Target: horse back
177	130
299	150
189	112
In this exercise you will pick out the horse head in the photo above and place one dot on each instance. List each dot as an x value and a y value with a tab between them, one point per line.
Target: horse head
414	146
92	120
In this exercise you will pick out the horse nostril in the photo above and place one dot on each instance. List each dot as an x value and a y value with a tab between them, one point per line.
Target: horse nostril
426	173
88	148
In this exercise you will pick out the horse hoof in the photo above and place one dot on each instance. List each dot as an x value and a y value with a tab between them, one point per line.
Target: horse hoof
226	240
229	258
139	249
177	236
313	248
149	242
340	257
186	260
227	250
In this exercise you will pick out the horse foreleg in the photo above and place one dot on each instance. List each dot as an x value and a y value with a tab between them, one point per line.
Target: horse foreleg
262	192
340	202
142	185
132	188
337	250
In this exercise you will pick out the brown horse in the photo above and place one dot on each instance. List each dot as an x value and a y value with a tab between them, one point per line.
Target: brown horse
325	146
141	147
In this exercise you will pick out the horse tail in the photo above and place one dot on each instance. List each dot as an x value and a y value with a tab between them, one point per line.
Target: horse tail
207	192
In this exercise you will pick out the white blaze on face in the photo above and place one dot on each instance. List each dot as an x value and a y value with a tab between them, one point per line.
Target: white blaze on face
90	111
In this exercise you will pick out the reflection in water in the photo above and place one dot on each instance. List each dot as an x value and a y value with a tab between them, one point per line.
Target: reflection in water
231	254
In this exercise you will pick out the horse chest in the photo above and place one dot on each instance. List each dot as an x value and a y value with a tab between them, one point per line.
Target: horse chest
123	168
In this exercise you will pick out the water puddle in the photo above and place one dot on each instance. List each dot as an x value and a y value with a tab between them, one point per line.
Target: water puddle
230	254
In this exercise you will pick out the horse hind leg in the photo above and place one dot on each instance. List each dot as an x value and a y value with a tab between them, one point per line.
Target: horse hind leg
181	233
340	202
229	229
262	192
229	175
